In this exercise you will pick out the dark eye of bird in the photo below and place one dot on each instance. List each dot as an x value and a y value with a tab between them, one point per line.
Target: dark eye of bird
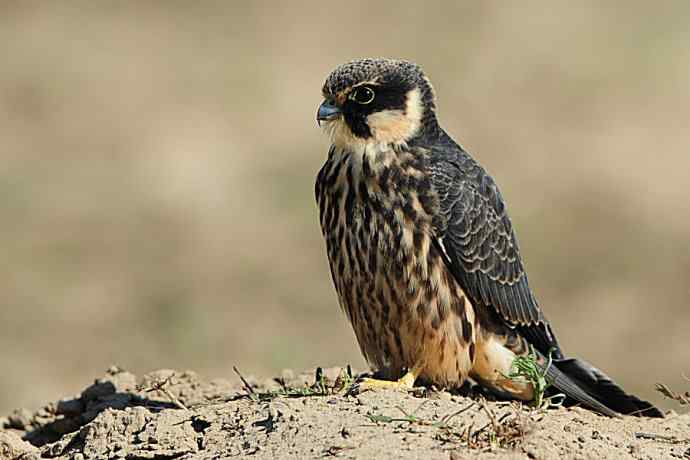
362	95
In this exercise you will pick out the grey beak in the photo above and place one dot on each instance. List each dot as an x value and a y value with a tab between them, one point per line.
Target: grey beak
327	111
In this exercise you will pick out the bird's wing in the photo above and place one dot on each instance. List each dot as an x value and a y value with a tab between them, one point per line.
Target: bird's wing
481	250
482	253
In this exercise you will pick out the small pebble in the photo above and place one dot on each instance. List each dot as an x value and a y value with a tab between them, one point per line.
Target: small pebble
445	396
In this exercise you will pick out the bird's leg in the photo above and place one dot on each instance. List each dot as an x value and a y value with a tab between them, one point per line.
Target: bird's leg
494	365
406	382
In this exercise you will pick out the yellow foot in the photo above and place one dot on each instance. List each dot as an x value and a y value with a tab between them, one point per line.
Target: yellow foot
404	383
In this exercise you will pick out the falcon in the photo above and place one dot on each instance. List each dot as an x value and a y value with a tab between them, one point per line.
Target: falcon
422	252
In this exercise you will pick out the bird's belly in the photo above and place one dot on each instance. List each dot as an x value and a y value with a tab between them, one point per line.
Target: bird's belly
404	306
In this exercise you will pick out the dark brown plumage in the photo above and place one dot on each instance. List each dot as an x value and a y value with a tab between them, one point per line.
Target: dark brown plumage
421	249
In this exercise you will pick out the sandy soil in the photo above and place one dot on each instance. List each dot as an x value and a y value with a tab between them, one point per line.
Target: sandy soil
178	415
158	159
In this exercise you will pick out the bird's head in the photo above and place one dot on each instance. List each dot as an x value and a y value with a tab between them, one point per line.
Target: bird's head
376	102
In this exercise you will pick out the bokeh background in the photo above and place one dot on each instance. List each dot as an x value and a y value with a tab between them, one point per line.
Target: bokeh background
157	162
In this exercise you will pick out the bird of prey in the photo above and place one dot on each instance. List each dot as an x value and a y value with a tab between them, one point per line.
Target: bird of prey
422	252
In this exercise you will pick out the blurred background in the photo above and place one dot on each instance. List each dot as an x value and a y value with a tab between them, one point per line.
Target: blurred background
157	165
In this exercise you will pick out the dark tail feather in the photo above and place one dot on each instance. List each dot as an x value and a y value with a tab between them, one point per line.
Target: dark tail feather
573	390
586	384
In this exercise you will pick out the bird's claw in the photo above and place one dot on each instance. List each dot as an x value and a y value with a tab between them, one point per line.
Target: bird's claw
405	383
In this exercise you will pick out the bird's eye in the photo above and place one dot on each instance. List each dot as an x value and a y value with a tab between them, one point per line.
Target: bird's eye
362	95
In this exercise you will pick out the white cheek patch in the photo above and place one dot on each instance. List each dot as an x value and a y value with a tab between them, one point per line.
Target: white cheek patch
414	108
346	142
388	128
397	126
341	136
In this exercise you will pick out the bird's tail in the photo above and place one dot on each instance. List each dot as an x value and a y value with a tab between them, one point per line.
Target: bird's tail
583	383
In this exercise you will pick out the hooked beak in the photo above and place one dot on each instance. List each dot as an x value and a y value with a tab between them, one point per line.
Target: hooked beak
327	111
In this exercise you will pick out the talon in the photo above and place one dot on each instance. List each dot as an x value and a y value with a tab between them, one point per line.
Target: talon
405	383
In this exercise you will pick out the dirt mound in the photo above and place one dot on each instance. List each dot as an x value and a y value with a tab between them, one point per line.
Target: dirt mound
177	415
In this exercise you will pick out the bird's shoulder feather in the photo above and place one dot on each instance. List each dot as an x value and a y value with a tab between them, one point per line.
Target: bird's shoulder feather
477	237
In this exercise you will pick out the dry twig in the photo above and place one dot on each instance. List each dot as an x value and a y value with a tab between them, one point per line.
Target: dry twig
160	387
661	437
248	388
682	399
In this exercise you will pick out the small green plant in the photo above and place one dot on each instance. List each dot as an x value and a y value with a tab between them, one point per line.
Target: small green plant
527	369
504	431
321	387
408	418
412	418
344	380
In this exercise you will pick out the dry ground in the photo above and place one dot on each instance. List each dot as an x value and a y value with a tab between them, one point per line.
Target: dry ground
168	415
157	162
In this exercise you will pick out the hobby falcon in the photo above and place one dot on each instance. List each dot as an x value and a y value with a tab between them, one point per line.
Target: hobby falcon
422	252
